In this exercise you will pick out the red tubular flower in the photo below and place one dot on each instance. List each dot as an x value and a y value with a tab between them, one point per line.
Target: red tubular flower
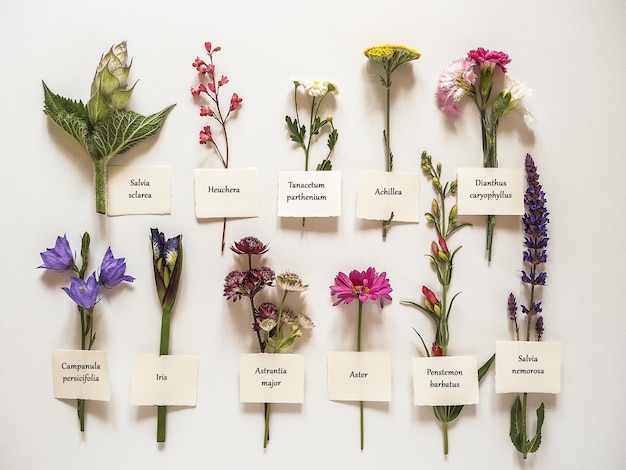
436	349
430	295
435	249
443	245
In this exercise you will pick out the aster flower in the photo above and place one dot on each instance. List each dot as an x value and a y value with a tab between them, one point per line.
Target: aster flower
113	270
60	257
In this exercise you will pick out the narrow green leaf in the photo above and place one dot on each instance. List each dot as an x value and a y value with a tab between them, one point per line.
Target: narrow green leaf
536	441
516	431
485	367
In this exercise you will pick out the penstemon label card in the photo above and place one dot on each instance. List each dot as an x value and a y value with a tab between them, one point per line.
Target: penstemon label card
445	380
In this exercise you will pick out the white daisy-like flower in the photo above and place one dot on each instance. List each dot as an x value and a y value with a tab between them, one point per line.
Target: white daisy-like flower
291	282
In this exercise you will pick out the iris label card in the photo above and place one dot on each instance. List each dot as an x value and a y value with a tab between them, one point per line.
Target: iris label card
271	378
231	192
81	375
164	380
133	190
380	193
359	376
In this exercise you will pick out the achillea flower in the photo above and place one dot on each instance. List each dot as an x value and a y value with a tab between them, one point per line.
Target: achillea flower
361	286
290	281
391	56
58	258
113	270
84	293
250	246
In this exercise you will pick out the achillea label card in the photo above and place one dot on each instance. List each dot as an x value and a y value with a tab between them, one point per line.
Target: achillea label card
490	191
164	380
528	366
133	190
231	192
81	375
381	193
309	194
271	378
445	380
359	376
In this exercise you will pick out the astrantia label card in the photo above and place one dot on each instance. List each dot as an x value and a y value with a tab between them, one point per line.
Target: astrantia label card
81	375
309	194
231	192
359	376
138	190
528	366
271	378
381	193
490	191
164	380
445	380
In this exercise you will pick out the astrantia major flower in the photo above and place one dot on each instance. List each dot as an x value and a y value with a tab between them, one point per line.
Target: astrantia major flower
250	246
290	281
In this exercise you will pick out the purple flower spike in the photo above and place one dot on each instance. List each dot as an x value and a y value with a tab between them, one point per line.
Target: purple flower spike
83	293
539	328
512	307
58	258
113	270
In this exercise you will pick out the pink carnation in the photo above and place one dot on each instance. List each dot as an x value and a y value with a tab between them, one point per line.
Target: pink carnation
455	82
498	58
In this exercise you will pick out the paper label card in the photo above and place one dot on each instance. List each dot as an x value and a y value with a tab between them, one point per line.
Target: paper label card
138	190
359	376
380	193
271	378
81	375
528	366
309	194
490	191
164	380
231	192
446	380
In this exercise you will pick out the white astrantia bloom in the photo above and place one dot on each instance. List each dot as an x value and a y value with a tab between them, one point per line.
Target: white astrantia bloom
290	281
267	324
305	322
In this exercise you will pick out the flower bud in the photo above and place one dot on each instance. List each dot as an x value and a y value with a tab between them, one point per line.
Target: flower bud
434	207
436	349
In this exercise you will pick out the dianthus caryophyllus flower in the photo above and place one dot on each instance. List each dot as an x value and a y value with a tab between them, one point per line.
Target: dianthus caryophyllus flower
489	58
250	246
362	286
84	293
455	83
113	270
58	258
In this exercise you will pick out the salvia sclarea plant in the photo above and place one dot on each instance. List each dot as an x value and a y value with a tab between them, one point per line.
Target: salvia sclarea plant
535	221
84	292
439	307
276	326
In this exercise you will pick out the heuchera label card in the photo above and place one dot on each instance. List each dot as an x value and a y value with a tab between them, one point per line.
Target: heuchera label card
309	194
138	190
528	366
231	192
445	380
381	193
271	378
490	191
81	375
164	380
359	376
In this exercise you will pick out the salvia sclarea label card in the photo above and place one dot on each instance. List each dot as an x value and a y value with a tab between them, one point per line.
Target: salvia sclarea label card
380	193
445	380
271	378
134	190
81	375
309	194
164	380
226	193
490	191
359	376
528	366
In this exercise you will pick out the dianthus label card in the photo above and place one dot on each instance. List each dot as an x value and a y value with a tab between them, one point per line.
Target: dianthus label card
445	380
164	380
133	190
309	194
231	192
528	366
490	191
359	376
81	375
380	193
271	378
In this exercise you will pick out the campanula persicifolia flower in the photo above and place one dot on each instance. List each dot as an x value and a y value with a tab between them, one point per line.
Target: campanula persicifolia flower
84	293
113	270
58	258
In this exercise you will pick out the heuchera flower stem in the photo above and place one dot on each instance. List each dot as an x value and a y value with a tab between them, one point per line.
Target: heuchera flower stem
163	351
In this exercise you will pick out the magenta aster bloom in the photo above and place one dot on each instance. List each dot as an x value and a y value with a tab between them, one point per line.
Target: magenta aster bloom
361	285
84	293
488	57
455	83
113	270
250	246
58	258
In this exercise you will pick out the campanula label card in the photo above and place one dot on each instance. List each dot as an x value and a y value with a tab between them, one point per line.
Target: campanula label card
528	366
309	194
380	193
81	375
164	380
271	378
133	190
490	191
359	376
231	192
445	380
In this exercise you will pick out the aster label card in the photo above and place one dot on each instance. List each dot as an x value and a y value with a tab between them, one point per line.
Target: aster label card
81	375
490	191
164	380
309	194
231	192
445	380
528	366
380	193
271	378
133	190
359	376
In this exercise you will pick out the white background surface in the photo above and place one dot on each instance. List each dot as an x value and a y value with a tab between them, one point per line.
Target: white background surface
571	54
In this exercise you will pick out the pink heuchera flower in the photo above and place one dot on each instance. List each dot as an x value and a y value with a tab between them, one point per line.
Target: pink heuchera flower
362	286
455	83
235	102
482	56
205	135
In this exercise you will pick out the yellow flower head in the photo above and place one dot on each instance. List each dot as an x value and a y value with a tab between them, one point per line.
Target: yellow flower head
391	56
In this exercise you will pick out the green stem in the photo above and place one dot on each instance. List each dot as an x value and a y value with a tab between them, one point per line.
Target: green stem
358	348
524	434
266	434
361	413
163	351
444	429
100	167
388	157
